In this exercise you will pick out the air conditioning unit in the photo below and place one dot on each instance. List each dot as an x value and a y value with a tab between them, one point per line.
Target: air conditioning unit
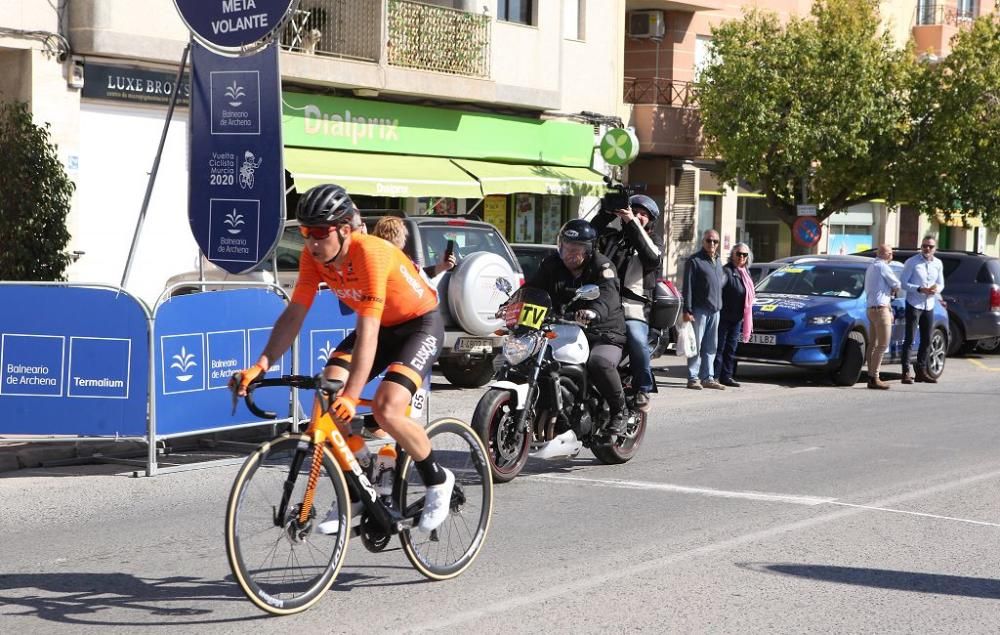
646	24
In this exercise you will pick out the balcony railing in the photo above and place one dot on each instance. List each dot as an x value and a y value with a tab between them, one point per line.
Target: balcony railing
935	13
438	39
662	91
337	28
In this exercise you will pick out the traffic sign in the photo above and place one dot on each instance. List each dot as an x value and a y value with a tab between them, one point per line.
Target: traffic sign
807	231
233	26
236	200
805	210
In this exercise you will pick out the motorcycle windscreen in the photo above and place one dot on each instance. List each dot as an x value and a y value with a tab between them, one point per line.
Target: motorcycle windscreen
527	307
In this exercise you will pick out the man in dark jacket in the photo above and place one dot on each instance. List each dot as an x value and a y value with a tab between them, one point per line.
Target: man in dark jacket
636	252
702	303
560	276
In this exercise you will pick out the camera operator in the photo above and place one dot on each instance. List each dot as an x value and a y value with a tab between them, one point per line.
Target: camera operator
636	252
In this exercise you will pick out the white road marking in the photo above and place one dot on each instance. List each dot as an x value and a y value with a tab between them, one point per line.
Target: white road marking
903	511
593	580
812	449
684	489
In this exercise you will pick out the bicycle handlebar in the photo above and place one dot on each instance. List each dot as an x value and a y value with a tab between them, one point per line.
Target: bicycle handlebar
329	386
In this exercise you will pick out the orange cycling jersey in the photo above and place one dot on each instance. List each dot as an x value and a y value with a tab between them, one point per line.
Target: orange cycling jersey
376	279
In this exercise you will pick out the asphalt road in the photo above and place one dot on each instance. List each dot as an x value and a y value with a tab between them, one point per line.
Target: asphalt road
785	506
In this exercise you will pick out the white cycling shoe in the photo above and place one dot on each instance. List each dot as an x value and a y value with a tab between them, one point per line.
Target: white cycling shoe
437	503
331	524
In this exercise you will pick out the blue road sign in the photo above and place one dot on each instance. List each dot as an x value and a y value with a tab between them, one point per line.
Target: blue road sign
230	25
72	361
200	340
236	200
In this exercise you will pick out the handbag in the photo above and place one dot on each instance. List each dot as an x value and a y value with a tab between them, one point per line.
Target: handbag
687	344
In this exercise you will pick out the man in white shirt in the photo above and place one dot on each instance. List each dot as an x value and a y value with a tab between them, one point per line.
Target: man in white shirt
880	286
923	281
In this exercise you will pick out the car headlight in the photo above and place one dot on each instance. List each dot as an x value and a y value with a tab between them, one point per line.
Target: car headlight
518	349
822	319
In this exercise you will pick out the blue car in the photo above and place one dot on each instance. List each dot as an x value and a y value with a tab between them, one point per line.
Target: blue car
812	313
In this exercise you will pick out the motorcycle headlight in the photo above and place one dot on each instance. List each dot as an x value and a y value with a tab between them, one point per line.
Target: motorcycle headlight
822	319
518	349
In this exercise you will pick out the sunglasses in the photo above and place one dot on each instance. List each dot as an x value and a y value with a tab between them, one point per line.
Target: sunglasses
316	233
928	246
742	254
714	241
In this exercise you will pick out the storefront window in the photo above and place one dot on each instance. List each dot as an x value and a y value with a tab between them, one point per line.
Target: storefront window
524	218
848	239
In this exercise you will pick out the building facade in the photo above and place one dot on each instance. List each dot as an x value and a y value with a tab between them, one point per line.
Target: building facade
446	106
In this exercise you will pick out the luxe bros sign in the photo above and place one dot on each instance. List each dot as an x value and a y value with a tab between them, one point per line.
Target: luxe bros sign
236	196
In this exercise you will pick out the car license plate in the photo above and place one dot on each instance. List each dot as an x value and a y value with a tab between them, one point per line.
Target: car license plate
756	338
469	344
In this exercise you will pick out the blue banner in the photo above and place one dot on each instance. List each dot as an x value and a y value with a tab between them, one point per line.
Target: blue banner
73	361
200	340
236	200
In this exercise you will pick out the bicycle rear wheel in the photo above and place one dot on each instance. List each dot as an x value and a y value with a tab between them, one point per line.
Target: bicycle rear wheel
450	549
282	565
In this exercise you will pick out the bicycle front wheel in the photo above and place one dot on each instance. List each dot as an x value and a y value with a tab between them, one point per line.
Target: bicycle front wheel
450	549
282	564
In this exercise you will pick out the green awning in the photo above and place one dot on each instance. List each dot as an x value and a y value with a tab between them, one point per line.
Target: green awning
380	174
509	178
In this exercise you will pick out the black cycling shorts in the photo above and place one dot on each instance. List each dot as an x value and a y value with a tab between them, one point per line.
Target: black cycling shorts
406	352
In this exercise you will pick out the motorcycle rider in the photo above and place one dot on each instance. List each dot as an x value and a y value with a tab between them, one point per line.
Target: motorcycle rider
636	252
578	263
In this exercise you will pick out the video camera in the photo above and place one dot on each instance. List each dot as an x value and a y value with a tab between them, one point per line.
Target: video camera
617	196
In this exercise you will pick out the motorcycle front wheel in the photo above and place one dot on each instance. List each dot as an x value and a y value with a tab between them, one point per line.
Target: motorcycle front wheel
495	422
625	446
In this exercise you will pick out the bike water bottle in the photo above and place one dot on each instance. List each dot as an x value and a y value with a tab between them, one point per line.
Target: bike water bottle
361	452
385	469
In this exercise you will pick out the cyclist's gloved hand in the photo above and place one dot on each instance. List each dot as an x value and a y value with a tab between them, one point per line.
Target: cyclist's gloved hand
239	381
343	408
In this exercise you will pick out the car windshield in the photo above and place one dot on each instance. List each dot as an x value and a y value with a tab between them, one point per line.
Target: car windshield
843	282
469	239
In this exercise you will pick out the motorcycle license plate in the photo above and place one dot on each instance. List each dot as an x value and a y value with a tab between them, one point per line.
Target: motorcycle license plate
763	339
532	315
469	344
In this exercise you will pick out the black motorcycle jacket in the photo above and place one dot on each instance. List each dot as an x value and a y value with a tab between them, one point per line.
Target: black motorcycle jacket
636	255
555	279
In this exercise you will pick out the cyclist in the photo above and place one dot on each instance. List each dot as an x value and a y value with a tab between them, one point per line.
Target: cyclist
560	275
398	330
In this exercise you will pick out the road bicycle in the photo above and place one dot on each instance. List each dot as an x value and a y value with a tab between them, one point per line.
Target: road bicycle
286	487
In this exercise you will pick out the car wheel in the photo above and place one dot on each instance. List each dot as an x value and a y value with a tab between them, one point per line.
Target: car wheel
989	345
852	360
471	373
936	353
957	338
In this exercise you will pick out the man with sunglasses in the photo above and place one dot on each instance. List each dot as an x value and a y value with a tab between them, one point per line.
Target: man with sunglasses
923	281
703	279
398	330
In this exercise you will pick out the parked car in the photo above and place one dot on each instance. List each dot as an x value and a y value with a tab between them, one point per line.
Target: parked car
468	298
971	294
812	313
530	256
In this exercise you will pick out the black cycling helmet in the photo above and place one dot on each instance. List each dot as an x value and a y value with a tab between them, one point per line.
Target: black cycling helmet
578	231
325	205
646	203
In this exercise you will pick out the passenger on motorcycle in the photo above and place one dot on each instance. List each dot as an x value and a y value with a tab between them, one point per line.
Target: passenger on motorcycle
560	276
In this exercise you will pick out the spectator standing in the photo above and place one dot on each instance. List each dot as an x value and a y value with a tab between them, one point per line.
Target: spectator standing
636	251
702	303
736	316
392	229
923	281
881	284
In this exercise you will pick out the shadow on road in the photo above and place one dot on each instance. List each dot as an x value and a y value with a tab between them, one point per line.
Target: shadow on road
986	588
92	598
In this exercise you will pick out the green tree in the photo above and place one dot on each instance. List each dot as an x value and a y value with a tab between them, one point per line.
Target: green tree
820	100
958	128
35	196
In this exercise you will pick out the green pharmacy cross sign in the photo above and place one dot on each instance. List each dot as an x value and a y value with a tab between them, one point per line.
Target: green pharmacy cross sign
619	146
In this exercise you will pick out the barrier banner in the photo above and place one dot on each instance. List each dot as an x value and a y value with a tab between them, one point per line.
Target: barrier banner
73	360
200	340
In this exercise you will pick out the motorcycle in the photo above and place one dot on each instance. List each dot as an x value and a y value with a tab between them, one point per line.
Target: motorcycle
542	403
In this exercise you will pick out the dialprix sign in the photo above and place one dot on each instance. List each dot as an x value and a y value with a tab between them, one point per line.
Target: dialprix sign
236	201
358	125
233	26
